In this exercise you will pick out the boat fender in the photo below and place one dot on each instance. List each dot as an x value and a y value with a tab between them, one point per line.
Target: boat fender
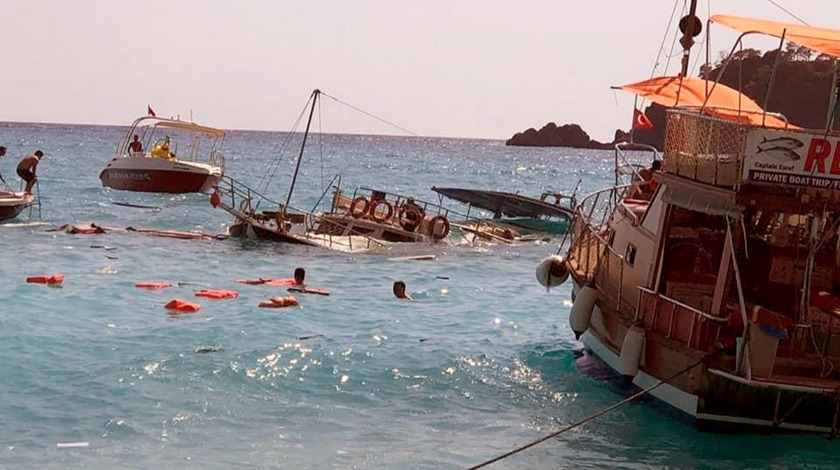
54	280
280	302
388	213
217	294
182	306
433	225
362	202
552	271
410	217
153	285
582	309
215	198
631	351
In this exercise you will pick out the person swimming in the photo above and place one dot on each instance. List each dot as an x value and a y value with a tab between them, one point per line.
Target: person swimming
399	291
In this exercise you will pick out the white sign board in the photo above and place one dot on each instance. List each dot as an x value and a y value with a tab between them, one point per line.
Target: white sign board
785	158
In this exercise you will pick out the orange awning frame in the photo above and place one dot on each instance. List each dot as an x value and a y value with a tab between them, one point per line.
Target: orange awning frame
690	92
822	40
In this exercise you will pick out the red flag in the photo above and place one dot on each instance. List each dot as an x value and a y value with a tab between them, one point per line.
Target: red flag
640	121
151	111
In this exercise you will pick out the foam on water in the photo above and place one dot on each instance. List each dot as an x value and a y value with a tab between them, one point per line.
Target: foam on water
482	361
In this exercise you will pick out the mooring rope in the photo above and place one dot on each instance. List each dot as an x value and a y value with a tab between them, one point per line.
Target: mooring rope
591	417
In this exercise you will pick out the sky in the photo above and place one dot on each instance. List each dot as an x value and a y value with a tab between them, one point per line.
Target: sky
453	68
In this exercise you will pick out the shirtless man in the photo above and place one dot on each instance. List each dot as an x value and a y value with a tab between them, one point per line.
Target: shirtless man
26	169
135	146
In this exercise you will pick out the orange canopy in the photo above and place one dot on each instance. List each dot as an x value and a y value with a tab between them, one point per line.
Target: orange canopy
724	102
824	40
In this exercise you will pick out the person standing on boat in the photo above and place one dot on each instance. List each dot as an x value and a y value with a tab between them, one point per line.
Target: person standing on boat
26	169
2	153
136	146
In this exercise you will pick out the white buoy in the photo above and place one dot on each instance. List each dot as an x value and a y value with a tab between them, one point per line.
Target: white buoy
552	271
582	310
631	351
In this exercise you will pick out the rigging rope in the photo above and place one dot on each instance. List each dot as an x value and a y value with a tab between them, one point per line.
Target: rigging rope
664	38
274	165
384	121
594	416
321	148
788	12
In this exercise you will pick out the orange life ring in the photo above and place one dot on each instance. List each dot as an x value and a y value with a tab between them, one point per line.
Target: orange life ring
433	228
410	217
388	215
359	200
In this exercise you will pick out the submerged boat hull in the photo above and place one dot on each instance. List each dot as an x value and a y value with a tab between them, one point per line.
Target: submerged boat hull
145	174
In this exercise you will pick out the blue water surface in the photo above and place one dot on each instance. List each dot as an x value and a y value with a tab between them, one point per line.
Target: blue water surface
481	362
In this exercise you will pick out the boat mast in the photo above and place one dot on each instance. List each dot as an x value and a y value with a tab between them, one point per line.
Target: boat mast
315	95
690	26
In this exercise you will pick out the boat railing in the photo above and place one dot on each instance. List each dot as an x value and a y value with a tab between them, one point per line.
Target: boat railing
398	200
217	158
478	227
677	320
630	158
243	202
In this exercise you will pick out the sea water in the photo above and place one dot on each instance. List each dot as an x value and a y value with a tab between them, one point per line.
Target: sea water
96	374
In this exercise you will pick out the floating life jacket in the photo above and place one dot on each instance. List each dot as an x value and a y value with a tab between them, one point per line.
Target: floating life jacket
182	306
153	285
217	294
54	280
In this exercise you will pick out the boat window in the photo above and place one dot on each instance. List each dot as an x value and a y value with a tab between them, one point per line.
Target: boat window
630	254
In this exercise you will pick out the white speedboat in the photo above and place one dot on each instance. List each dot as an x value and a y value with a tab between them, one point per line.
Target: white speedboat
153	162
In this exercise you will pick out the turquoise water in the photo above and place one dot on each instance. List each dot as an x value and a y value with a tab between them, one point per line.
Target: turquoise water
481	362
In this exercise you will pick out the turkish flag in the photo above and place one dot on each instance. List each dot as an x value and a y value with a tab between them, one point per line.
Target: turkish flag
640	121
150	111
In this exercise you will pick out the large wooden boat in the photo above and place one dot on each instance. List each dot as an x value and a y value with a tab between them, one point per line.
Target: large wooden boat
724	283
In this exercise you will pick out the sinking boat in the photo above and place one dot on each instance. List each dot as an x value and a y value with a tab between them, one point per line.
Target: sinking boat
550	214
13	203
391	217
281	222
368	219
722	285
167	156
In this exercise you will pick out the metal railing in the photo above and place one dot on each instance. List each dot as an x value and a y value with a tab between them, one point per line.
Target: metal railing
478	227
239	200
651	304
590	253
704	148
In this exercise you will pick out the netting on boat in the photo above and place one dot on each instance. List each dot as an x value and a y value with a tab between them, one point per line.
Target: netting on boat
705	149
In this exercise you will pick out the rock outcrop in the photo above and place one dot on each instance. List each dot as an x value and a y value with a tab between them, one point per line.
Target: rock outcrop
552	135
